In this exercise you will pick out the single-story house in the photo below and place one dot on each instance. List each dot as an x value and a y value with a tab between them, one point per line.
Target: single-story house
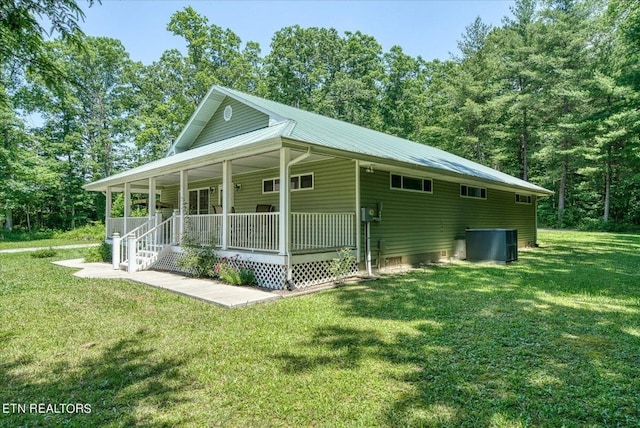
280	189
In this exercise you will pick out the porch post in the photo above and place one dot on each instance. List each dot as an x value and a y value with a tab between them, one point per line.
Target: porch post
283	218
184	189
151	198
107	212
357	225
127	205
227	189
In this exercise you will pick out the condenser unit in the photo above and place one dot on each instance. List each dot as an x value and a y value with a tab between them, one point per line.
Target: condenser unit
493	245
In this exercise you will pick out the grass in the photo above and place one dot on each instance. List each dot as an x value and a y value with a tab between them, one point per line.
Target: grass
551	340
19	239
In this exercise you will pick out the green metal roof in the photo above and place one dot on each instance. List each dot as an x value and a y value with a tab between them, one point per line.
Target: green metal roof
327	132
296	124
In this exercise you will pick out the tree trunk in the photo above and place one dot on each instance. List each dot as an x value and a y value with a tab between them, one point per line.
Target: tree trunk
8	223
524	147
607	187
563	190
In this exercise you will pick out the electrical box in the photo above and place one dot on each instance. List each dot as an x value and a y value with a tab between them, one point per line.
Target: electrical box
368	214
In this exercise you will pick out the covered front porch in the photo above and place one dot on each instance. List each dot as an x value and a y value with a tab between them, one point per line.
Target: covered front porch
278	211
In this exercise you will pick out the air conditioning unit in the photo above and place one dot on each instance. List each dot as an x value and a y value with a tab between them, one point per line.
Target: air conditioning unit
492	245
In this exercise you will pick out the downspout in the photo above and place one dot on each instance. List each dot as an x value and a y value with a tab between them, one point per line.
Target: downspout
288	210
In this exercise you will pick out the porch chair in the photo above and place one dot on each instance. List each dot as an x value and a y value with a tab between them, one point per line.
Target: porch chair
264	208
217	209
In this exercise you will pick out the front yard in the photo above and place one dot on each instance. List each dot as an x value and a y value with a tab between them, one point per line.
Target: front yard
551	340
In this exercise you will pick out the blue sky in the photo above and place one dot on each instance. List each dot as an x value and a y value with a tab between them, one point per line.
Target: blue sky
429	28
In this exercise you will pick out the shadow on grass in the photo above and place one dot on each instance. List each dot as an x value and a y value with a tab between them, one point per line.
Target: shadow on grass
550	340
119	386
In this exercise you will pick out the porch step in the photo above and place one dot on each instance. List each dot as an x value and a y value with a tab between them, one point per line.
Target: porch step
144	259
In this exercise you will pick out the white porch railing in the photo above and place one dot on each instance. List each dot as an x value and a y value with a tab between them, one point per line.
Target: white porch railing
142	246
259	231
311	231
254	231
204	229
116	225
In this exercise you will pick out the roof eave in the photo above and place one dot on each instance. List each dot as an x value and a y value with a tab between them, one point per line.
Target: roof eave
229	154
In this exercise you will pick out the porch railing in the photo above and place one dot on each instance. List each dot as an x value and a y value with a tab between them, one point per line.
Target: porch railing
204	229
260	231
311	231
116	225
254	231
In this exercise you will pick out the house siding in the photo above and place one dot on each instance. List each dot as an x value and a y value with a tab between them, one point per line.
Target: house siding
244	119
333	188
422	226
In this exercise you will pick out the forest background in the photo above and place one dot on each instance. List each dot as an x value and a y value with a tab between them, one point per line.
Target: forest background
551	96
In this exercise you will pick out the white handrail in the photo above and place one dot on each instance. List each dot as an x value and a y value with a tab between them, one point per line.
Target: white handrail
143	250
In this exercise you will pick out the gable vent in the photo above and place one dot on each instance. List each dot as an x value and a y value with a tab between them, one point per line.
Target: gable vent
228	112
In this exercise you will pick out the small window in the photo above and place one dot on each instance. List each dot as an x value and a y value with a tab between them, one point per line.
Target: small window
523	199
473	192
415	184
298	182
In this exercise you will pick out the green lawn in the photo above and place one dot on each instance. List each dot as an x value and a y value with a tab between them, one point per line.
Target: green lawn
551	340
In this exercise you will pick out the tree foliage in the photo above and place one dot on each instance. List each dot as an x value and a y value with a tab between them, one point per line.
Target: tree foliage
552	95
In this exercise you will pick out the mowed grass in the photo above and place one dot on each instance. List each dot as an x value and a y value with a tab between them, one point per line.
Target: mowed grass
551	340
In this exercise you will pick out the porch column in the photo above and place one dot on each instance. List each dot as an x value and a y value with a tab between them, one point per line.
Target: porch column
283	218
227	189
184	189
151	198
357	225
127	205
107	211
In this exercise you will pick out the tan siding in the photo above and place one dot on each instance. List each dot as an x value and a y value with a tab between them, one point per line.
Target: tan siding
243	120
421	223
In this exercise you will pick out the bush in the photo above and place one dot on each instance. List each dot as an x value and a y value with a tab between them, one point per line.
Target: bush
340	266
235	275
44	253
101	253
94	231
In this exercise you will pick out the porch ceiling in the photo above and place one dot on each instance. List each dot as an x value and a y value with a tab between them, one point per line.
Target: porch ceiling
263	161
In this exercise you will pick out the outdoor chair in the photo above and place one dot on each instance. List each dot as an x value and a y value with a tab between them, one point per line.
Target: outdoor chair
264	208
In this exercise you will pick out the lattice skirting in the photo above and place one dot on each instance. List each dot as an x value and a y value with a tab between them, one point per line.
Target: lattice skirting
268	275
316	272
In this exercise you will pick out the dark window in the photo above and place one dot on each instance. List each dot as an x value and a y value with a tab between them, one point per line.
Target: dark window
396	181
411	183
473	192
306	181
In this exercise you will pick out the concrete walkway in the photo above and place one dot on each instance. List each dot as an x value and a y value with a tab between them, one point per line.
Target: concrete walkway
57	247
229	296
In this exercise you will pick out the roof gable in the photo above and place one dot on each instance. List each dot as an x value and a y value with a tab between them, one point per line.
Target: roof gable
208	125
330	133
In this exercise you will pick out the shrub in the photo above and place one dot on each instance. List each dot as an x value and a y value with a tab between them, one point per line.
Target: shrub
44	253
240	275
94	231
340	266
101	253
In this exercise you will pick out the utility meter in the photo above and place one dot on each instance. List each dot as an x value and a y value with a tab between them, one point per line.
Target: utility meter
367	214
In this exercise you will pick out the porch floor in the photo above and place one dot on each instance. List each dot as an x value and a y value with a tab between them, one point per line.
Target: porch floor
210	291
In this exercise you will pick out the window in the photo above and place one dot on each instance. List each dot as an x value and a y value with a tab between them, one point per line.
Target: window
523	199
298	182
199	201
473	192
415	184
